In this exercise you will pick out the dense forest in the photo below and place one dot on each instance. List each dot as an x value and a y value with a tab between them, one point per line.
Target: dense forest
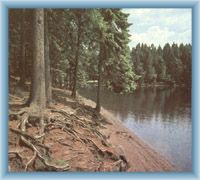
80	46
91	46
64	49
170	65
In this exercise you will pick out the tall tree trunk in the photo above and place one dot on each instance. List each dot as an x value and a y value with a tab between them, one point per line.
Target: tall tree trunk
100	63
22	62
37	94
76	59
47	62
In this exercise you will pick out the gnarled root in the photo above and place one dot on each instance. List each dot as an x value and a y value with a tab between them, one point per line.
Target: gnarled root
44	159
71	124
35	143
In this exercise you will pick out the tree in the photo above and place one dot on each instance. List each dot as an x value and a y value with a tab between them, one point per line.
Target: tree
113	38
138	65
160	68
47	60
23	51
97	41
101	28
78	15
166	66
178	66
102	53
150	70
168	58
186	59
37	94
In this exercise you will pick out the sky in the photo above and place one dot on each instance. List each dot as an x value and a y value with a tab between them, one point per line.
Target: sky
159	26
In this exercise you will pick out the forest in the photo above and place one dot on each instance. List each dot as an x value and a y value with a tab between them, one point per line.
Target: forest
53	50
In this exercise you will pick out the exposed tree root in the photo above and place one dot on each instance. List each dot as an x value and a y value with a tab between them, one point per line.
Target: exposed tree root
15	97
93	127
44	159
31	160
68	123
34	139
29	141
17	153
121	160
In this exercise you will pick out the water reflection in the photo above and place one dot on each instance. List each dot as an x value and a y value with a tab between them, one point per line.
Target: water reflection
160	116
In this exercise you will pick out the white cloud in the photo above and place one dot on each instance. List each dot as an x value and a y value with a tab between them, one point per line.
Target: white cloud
160	26
154	35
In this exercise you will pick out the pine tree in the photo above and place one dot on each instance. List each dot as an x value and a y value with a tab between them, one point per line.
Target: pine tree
37	94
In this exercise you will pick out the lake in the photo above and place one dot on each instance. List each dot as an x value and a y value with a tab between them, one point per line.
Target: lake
159	116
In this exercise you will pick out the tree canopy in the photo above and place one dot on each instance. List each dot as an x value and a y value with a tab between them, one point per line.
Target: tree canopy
87	46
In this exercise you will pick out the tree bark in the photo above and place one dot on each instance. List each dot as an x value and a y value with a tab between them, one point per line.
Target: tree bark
76	59
22	62
47	62
100	63
37	94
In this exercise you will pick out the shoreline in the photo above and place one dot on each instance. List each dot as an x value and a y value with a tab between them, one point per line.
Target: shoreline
140	155
127	152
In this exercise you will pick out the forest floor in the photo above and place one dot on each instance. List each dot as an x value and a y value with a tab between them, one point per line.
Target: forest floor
75	138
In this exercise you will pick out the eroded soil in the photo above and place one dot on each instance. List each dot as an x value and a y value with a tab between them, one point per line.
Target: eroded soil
76	138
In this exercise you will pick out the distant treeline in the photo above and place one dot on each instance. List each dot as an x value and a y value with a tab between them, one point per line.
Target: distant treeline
170	65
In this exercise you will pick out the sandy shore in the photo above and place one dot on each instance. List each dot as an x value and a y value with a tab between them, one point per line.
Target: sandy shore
141	156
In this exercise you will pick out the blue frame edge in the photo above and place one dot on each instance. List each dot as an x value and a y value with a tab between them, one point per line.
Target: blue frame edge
6	4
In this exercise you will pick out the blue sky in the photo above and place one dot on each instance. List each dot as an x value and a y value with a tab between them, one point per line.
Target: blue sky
159	26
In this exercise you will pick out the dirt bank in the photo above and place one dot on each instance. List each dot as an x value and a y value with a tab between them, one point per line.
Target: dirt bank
76	138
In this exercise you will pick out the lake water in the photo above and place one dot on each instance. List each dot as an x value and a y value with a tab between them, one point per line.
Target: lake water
159	116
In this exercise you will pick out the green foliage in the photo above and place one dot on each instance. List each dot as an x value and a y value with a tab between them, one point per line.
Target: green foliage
121	67
118	74
170	65
92	26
